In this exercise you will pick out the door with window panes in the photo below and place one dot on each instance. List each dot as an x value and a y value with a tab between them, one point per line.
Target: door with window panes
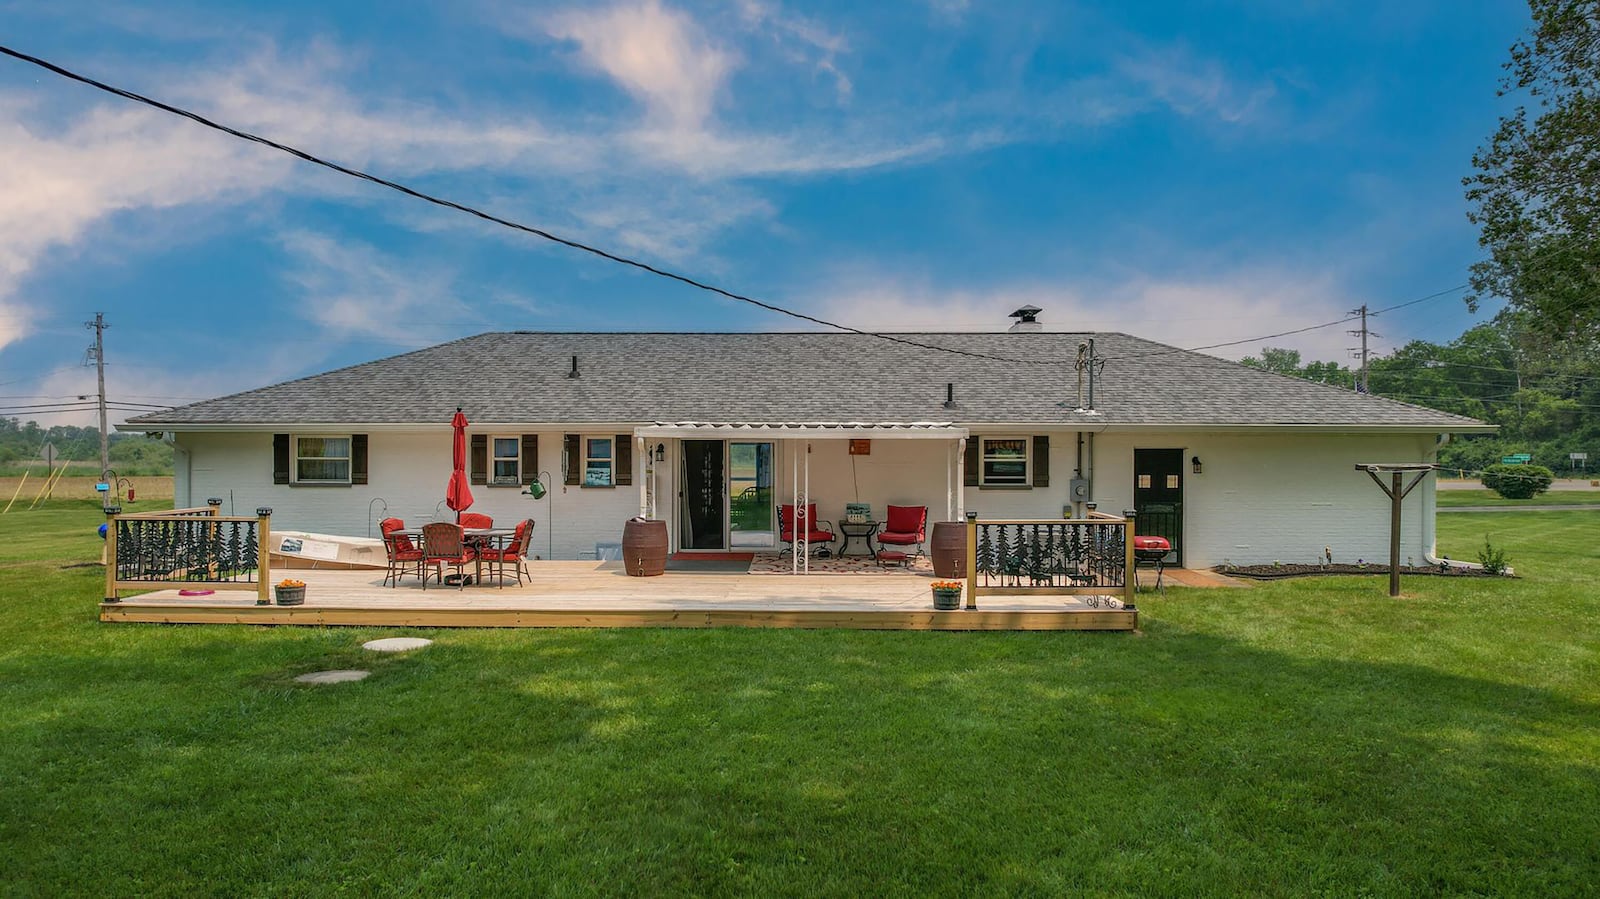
1158	497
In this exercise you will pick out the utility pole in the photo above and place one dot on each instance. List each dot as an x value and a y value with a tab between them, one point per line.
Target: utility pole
1362	385
99	325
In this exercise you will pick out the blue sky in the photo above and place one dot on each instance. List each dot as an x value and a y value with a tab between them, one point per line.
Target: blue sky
1189	172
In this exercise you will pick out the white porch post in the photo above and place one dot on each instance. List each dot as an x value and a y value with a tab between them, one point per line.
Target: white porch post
949	488
639	465
961	479
806	509
794	517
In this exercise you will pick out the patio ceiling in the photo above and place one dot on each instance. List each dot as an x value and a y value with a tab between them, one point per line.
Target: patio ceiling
914	430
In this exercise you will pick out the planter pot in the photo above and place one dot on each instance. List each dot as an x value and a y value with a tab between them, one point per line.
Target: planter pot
949	549
946	600
290	596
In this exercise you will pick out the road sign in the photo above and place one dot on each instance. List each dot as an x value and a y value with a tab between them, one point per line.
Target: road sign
1516	459
1578	457
48	454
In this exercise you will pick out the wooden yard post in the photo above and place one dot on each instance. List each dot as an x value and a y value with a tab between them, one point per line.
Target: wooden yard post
263	556
1131	585
1397	492
111	558
972	559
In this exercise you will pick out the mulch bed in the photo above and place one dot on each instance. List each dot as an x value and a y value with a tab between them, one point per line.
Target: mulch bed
1275	572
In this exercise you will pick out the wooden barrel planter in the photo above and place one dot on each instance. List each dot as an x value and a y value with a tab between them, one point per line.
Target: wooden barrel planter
949	548
644	547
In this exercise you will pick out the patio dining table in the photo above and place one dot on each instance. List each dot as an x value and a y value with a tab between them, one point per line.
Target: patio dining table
487	537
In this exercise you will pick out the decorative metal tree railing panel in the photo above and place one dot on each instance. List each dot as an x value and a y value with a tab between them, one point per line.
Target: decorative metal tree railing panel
1082	557
184	549
188	550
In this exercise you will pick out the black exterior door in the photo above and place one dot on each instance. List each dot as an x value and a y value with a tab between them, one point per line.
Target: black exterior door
1158	497
704	499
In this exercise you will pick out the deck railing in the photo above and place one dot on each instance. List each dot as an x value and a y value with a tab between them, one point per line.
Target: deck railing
1091	556
189	548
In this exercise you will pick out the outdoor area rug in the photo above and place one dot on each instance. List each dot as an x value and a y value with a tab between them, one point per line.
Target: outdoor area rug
772	563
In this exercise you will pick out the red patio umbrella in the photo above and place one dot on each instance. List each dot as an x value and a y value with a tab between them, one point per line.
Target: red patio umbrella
458	495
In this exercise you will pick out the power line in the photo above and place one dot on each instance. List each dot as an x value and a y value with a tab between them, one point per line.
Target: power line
1349	318
503	222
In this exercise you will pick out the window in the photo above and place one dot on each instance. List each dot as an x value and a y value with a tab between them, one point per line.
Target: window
506	465
1004	462
597	462
322	460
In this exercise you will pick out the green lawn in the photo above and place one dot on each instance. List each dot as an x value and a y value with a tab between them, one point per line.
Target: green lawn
1488	497
1300	737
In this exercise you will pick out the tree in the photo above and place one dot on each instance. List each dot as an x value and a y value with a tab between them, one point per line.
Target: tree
1536	189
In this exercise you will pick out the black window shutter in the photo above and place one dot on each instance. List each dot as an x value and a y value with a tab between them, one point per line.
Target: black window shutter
358	458
530	458
970	463
574	458
622	452
280	458
480	458
1041	460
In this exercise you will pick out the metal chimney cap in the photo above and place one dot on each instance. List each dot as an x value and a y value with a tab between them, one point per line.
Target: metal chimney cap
1026	313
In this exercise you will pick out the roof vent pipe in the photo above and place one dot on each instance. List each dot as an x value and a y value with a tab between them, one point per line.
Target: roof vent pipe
1027	319
574	372
950	394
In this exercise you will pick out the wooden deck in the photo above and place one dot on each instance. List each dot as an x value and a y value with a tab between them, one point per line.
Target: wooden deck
591	594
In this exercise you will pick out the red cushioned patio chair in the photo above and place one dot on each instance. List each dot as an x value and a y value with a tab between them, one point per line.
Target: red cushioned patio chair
515	555
905	528
821	538
404	556
442	546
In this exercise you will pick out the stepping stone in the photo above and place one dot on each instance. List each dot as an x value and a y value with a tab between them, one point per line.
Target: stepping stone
332	677
396	644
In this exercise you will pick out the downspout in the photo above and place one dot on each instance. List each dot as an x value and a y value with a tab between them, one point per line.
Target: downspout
1077	504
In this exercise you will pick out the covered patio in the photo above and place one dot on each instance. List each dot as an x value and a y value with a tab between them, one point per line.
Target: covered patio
601	594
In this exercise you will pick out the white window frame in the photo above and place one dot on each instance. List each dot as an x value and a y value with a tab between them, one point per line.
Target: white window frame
985	457
296	457
494	478
610	460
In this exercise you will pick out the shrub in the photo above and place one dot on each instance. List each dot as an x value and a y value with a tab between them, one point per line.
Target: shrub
1492	558
1518	481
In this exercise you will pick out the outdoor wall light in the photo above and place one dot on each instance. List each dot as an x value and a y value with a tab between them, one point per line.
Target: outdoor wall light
1196	463
661	452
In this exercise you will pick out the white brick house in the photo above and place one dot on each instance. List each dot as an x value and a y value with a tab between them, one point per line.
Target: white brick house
711	431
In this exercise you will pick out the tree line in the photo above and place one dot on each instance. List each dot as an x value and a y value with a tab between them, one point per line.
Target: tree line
21	444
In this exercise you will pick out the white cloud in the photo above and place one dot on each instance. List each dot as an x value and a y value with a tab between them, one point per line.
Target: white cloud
1167	308
658	55
678	73
802	40
1194	87
352	290
58	181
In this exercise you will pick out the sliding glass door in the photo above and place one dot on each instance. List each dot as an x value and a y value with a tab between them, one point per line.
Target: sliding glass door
750	514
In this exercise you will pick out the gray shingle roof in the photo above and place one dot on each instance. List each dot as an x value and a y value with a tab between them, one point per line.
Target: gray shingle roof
521	378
